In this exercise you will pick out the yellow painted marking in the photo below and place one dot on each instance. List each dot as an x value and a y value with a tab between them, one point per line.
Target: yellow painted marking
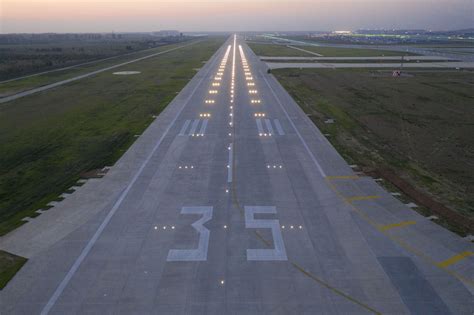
343	177
399	240
356	198
396	225
455	259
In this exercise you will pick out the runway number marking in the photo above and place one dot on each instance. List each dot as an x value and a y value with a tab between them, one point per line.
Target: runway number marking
279	252
200	253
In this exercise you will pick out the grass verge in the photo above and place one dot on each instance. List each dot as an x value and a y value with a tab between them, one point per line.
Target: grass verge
49	139
418	125
28	83
9	265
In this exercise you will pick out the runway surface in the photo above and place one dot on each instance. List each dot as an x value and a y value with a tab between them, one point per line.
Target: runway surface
232	202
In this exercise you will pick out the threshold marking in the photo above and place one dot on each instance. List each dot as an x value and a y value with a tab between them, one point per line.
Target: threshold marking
278	127
230	166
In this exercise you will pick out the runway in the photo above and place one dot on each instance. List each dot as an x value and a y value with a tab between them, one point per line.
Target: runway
233	202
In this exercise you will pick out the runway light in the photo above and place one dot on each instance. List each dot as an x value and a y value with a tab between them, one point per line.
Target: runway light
283	227
172	227
164	227
227	190
225	226
300	227
222	282
156	228
291	227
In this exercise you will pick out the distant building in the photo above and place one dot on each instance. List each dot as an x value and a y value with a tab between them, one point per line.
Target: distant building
167	33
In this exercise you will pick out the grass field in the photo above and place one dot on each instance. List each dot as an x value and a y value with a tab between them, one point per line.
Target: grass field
47	140
419	125
269	50
9	265
13	87
27	56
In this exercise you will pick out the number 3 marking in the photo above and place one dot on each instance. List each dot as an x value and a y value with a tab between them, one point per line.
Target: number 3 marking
279	253
199	254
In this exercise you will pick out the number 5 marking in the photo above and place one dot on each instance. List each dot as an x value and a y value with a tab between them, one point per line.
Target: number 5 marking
199	254
279	253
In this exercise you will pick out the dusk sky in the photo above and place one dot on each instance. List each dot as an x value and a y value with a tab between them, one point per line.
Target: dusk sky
231	15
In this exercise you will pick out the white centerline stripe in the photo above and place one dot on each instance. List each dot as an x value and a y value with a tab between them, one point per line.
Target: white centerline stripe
77	263
229	168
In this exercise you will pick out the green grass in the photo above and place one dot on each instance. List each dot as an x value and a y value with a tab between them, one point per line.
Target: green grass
33	56
420	125
13	87
48	139
9	265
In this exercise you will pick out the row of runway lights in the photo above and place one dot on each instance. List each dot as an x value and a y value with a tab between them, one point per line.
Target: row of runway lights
218	77
248	77
283	227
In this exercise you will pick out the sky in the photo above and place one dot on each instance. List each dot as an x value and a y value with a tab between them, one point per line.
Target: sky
36	16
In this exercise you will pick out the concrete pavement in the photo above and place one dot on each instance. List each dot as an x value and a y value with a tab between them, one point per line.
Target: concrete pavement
253	213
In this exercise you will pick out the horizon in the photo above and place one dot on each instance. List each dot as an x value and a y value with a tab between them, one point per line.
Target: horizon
105	16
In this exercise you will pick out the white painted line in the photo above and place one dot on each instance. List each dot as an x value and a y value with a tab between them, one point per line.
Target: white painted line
77	263
315	161
279	252
185	126
278	127
194	126
269	126
259	125
200	253
203	126
230	165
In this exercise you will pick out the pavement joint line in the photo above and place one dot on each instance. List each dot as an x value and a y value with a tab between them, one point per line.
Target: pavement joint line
396	225
77	263
361	198
450	261
399	241
320	169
